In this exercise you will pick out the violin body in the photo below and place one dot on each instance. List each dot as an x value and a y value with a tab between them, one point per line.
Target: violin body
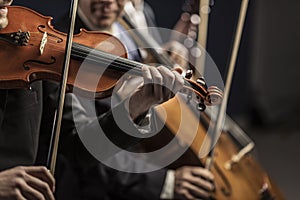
27	63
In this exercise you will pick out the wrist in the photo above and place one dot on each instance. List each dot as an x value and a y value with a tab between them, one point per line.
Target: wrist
138	107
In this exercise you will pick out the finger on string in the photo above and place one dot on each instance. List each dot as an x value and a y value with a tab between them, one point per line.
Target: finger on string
157	81
178	83
147	77
178	69
168	81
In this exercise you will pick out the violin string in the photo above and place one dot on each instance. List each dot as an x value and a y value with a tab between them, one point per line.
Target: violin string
128	64
108	55
53	43
121	63
100	57
94	55
105	58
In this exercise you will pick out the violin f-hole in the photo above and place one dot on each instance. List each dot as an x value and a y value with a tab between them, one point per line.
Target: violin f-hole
27	62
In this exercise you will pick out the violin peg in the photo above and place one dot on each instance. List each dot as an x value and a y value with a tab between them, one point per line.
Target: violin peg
201	107
202	82
189	74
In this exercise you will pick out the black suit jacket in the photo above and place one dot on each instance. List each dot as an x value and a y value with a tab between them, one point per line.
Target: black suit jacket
20	119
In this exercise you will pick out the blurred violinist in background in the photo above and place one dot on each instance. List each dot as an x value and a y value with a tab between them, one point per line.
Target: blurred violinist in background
100	181
139	15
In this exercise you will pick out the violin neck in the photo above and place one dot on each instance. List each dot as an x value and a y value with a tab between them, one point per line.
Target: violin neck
81	52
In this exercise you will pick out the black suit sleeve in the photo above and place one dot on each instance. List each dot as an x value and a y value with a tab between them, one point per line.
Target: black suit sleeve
102	182
99	132
97	180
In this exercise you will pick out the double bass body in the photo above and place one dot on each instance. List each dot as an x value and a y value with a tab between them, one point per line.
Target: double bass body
244	179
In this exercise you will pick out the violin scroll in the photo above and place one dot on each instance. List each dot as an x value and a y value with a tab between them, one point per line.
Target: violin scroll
205	96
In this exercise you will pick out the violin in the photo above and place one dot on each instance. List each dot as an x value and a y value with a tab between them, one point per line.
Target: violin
98	59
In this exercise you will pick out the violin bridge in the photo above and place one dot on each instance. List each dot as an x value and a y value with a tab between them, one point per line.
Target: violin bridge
43	43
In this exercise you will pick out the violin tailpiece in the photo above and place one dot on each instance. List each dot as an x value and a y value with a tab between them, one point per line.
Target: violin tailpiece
17	38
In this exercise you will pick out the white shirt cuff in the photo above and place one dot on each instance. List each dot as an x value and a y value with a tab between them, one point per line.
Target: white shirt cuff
168	188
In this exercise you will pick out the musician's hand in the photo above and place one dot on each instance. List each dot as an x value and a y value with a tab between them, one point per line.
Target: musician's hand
160	84
178	53
23	183
3	12
193	183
